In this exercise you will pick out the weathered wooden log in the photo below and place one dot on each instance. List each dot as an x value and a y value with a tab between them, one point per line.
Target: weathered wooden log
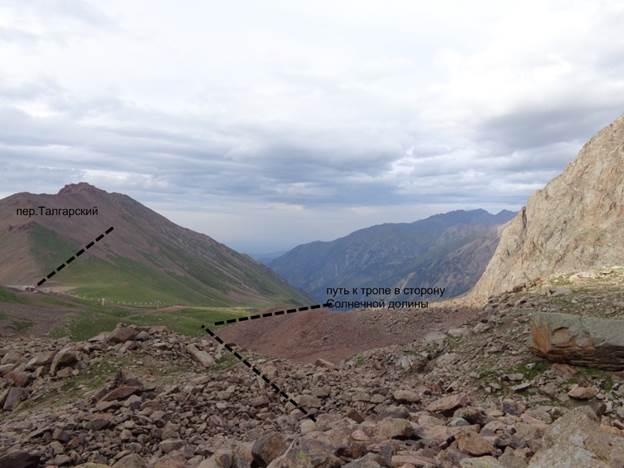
578	340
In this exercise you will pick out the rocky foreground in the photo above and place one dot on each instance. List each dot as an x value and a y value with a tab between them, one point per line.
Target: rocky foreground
478	395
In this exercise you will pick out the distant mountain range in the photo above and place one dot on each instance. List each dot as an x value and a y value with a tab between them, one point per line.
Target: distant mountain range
146	259
447	250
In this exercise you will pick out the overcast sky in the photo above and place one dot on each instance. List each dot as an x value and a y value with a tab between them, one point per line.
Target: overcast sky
268	124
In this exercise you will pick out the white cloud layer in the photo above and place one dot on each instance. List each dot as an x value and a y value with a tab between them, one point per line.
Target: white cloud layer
266	124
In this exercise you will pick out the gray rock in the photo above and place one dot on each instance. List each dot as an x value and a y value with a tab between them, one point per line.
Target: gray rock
131	461
579	340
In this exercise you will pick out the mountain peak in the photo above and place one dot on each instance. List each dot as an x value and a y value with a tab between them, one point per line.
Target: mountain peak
79	187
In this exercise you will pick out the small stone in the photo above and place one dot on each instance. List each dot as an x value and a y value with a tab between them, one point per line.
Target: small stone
200	356
408	396
130	461
309	401
19	459
473	444
448	403
324	363
13	398
121	334
170	445
17	378
66	357
582	393
394	428
268	447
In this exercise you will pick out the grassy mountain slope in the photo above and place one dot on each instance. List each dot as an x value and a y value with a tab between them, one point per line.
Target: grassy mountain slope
147	259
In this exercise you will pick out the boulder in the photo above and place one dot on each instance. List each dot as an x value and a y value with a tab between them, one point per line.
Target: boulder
200	356
578	439
582	393
307	453
370	460
473	444
169	445
66	357
19	459
480	462
18	378
130	461
407	396
41	359
268	447
394	428
122	392
13	398
448	403
578	340
324	363
121	334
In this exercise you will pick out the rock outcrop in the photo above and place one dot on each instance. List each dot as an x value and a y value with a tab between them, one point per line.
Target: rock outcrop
575	223
578	340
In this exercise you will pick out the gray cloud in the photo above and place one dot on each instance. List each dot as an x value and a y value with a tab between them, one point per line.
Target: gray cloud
256	126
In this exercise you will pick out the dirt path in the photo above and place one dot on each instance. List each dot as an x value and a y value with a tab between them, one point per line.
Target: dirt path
340	335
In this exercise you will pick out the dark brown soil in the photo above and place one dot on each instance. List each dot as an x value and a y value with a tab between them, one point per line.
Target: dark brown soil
335	336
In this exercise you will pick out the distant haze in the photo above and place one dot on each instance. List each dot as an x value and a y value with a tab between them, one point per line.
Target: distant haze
270	124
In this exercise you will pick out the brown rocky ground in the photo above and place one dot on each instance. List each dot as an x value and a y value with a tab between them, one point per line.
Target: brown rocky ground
468	394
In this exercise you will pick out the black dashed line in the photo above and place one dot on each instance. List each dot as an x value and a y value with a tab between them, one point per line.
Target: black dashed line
271	314
99	238
256	371
73	257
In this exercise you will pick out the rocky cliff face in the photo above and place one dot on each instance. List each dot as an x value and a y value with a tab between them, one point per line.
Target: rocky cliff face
575	223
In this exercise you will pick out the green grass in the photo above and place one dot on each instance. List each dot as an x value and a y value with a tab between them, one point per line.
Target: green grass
151	281
593	374
8	296
3	316
20	326
226	361
96	319
531	369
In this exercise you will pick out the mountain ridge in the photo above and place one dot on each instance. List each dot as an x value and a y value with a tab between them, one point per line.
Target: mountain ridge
575	223
390	254
147	255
